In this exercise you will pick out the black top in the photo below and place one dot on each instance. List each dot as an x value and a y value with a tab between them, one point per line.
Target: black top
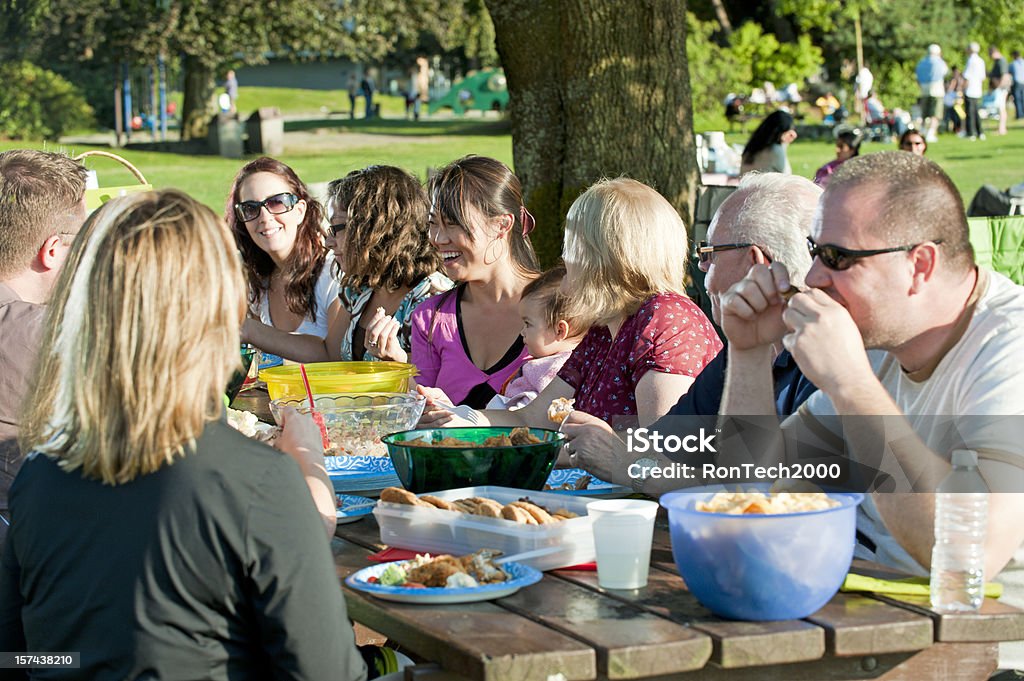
215	567
479	395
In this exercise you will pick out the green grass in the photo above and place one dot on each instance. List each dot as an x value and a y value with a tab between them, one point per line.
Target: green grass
293	101
969	164
208	178
323	153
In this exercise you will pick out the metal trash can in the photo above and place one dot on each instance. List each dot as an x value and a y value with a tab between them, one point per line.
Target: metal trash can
266	132
225	135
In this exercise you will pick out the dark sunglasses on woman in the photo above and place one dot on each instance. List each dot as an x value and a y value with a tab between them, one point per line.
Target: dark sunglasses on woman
276	204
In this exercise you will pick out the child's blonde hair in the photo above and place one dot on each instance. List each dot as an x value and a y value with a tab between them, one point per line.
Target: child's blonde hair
545	289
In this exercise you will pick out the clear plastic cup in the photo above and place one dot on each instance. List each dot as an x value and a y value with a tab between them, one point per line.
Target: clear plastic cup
623	529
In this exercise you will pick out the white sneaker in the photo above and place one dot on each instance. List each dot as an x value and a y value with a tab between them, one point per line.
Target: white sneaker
981	136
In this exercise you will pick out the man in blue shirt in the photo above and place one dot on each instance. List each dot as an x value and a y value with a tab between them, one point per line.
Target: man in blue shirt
1017	71
766	220
931	75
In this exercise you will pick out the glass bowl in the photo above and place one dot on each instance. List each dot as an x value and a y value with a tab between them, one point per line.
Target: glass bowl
357	422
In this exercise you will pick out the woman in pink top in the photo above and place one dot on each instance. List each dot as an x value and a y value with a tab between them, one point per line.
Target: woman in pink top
466	341
625	255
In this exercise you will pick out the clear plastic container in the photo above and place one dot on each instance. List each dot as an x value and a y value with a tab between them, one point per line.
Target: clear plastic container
434	530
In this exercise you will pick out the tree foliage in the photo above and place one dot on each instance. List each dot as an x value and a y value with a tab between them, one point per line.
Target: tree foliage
42	106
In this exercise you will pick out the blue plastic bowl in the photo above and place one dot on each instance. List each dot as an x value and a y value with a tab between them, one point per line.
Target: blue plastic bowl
761	567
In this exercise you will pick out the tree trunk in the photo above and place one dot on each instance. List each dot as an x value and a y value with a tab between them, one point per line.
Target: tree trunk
597	90
196	108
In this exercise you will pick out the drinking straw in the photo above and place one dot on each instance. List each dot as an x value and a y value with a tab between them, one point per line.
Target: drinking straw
318	418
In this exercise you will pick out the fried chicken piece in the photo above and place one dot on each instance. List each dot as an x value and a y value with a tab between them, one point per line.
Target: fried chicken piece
523	436
436	572
559	409
502	440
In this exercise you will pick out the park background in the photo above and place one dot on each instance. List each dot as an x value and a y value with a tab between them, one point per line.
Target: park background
598	87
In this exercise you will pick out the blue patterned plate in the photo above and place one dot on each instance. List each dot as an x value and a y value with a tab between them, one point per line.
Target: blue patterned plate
343	465
520	576
351	508
596	488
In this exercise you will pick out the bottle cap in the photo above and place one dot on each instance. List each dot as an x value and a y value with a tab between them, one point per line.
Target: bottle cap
965	457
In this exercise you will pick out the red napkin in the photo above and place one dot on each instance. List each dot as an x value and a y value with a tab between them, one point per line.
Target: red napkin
390	554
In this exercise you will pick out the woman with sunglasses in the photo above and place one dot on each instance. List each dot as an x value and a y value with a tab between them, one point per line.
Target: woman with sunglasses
466	341
277	226
388	266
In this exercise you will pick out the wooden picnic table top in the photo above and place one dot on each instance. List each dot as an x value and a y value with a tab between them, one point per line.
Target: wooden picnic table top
566	624
567	627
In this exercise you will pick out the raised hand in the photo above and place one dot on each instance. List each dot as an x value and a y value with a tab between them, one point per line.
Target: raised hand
752	308
382	337
825	341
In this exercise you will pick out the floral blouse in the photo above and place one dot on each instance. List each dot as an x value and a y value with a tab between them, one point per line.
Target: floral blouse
354	301
669	333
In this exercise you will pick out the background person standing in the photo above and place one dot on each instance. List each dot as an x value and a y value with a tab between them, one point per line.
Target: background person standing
1017	71
931	74
974	75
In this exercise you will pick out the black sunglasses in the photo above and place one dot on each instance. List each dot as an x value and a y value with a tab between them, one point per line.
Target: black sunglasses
703	251
337	229
839	258
276	204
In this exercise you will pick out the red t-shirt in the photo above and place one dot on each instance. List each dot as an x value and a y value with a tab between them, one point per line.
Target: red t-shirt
669	333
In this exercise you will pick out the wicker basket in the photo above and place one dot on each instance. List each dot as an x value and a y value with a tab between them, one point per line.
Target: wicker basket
94	198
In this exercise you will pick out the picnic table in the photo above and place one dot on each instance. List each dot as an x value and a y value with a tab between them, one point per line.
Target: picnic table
567	627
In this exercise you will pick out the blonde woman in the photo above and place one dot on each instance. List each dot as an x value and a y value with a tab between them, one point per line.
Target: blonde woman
146	533
625	254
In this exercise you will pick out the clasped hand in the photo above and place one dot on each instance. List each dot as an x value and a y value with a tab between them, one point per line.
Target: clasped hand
814	328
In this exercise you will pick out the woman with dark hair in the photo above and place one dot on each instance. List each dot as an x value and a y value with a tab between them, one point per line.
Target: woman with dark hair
387	265
766	149
913	141
466	341
847	146
277	226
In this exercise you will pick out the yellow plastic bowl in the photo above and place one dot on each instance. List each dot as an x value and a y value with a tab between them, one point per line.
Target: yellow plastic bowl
338	377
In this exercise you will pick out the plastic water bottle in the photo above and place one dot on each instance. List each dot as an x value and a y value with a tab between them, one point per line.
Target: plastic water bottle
958	558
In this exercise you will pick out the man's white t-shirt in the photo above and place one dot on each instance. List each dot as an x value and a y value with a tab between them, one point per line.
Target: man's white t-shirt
981	375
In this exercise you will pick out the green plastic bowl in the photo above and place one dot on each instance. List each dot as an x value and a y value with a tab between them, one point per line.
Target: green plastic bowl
431	469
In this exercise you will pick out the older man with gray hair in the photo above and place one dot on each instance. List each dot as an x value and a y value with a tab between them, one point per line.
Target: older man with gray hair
767	219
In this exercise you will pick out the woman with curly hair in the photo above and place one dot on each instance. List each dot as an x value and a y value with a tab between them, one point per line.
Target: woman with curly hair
277	226
379	238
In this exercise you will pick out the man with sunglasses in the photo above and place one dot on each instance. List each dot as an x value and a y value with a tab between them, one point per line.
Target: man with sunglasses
767	219
42	207
899	328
